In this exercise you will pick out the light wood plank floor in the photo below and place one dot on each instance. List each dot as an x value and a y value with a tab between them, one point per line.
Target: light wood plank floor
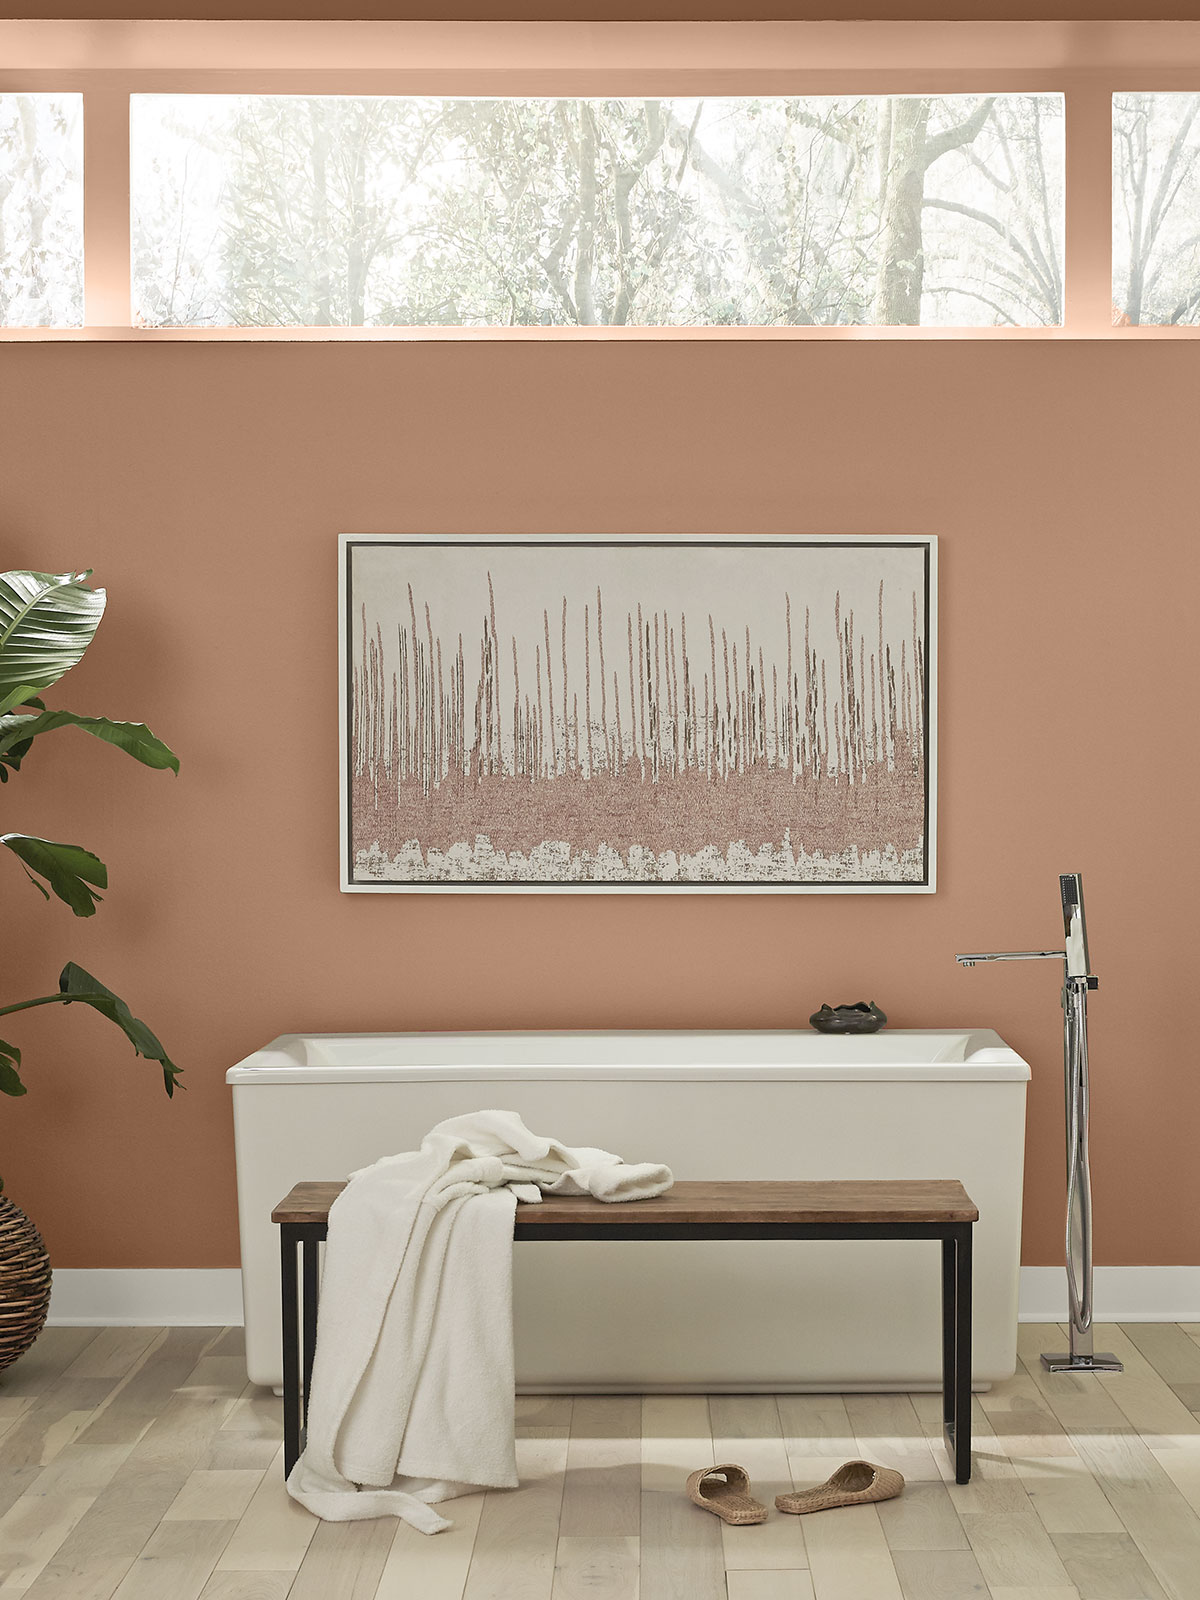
137	1464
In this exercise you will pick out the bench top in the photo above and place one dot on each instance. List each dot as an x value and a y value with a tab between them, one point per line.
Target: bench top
784	1204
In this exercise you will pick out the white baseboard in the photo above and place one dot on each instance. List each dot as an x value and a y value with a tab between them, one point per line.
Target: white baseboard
191	1297
1121	1294
212	1297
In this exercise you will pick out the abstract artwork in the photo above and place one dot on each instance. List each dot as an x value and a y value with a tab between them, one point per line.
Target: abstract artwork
614	713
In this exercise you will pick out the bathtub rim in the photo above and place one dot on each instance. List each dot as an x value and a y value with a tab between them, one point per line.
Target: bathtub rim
643	1056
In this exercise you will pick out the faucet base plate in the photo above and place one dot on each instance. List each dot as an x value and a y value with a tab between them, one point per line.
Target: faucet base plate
1066	1362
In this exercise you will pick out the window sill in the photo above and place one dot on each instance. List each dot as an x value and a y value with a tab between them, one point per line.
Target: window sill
582	335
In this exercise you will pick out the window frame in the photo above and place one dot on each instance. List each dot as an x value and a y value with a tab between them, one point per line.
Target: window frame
1085	62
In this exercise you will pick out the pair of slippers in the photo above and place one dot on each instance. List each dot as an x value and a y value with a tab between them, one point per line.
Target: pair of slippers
725	1491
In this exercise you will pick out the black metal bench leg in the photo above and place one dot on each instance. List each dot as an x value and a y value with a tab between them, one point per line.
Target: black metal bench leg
962	1356
310	1293
962	1360
948	1327
956	1349
288	1243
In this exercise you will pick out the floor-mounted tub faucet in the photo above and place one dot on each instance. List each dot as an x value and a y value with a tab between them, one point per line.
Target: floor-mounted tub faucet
1077	981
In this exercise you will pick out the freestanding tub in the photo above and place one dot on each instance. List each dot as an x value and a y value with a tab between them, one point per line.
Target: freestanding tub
937	1103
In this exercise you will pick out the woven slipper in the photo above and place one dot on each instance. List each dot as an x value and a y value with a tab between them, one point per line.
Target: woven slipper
724	1491
851	1485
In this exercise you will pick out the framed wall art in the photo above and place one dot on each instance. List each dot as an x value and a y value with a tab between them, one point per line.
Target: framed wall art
607	714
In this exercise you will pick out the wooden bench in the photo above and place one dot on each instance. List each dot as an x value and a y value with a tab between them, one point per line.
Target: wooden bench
917	1209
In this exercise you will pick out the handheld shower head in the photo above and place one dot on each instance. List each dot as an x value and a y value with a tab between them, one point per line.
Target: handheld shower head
1074	925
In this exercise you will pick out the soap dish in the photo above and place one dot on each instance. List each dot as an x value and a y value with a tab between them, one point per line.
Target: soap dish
862	1017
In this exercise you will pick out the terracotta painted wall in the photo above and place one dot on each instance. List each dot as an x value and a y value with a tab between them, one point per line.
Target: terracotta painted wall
206	485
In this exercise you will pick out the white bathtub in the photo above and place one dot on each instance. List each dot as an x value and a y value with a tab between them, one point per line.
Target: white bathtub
931	1103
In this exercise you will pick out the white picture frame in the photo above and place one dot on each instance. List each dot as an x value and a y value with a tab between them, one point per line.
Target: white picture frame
467	788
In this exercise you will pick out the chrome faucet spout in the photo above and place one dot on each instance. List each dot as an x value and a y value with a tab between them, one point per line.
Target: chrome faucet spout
1010	955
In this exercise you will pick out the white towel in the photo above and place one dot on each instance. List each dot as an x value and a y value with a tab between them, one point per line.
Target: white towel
412	1385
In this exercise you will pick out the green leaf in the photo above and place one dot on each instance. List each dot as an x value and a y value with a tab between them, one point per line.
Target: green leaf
69	869
47	621
135	738
10	1078
13	756
76	984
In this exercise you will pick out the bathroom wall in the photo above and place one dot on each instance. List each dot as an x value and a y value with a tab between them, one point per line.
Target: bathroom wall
206	485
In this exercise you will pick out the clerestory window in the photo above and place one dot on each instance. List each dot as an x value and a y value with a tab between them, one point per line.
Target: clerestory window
351	211
1156	208
41	210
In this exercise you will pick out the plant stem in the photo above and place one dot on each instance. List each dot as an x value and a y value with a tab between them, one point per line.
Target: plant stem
46	1000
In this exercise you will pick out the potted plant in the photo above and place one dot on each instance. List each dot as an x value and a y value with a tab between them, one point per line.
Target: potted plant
47	621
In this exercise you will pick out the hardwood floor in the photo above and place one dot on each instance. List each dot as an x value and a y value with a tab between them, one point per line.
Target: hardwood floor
137	1464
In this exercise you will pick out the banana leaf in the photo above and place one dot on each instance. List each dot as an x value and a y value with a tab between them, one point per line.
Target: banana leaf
17	732
69	869
47	621
75	986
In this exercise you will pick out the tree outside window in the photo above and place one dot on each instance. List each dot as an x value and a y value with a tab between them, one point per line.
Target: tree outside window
350	211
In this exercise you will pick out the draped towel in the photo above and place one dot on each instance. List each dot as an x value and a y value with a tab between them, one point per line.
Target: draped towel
412	1385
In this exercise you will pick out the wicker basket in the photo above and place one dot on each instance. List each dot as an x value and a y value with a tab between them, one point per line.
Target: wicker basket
24	1282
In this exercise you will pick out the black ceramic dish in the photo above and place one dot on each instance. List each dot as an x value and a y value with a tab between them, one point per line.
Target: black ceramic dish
858	1018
